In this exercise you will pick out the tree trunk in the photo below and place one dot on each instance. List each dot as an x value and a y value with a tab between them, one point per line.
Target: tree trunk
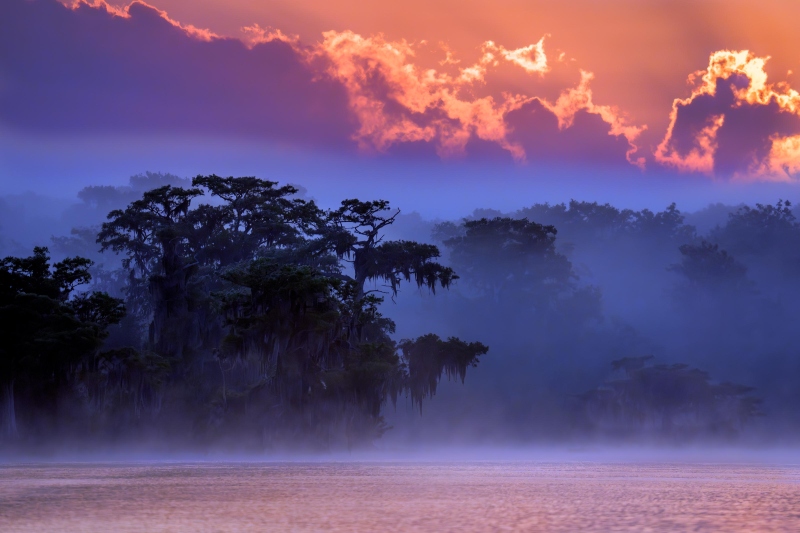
11	413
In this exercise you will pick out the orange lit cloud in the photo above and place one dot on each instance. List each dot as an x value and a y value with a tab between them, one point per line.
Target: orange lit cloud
133	68
734	123
125	12
530	58
397	101
578	99
784	157
255	35
701	157
614	39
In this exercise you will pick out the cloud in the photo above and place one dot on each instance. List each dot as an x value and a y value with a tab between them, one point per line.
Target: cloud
573	101
530	58
88	67
125	13
94	68
544	135
255	35
396	101
735	123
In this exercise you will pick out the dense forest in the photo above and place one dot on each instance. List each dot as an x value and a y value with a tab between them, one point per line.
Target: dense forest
237	312
235	318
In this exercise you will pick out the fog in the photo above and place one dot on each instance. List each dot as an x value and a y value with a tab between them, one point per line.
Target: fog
621	325
434	188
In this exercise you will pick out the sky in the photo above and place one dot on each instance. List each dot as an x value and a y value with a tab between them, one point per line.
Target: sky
636	101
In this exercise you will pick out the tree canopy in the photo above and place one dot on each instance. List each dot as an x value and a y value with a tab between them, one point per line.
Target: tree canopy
253	302
48	329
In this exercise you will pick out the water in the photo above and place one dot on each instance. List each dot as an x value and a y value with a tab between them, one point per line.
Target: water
383	496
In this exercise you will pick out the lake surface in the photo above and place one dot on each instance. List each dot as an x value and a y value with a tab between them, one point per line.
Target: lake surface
383	496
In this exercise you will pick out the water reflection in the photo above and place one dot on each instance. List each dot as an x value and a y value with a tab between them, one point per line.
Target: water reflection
512	496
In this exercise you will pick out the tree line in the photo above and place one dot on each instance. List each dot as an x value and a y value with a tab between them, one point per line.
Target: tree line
241	313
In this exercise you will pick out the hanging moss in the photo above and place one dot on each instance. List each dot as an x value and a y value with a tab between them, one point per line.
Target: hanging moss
428	357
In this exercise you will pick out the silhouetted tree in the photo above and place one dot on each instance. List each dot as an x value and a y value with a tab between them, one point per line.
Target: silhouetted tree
252	281
359	240
514	262
767	239
669	398
505	257
708	273
255	217
47	328
584	222
760	230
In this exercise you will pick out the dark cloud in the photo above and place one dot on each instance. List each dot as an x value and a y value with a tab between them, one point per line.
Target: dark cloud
734	122
746	136
86	69
92	69
537	130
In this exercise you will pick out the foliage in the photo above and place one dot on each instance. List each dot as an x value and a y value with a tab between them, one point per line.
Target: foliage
255	318
523	257
586	221
766	237
514	264
257	280
671	399
358	239
429	356
47	330
706	267
753	230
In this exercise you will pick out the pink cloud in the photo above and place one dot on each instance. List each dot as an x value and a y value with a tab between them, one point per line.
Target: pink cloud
397	101
734	123
90	67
